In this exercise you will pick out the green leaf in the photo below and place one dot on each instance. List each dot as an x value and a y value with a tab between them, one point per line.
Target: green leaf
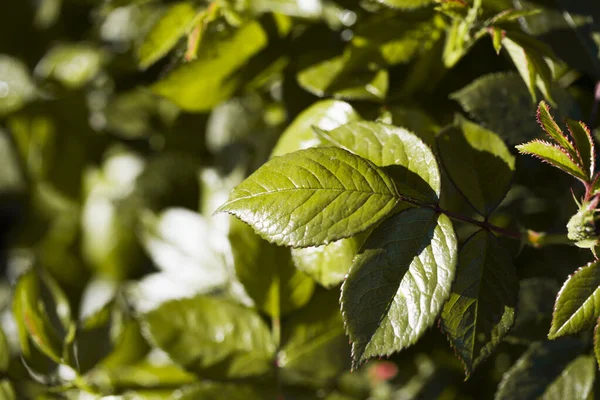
165	34
329	264
203	83
313	197
535	307
73	65
537	369
530	65
41	312
16	87
399	282
212	337
415	120
553	155
223	391
315	349
549	126
4	352
597	341
267	272
336	76
387	40
481	307
575	382
497	36
479	164
7	392
406	4
578	303
325	114
584	144
502	104
387	145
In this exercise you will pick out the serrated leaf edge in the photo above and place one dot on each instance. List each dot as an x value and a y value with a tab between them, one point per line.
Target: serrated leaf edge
558	147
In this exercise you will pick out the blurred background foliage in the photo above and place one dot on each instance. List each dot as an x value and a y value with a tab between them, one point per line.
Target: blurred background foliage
125	123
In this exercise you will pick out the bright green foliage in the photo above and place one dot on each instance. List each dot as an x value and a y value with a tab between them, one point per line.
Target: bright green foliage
329	264
545	370
398	282
212	337
255	199
313	196
325	114
217	60
479	164
553	155
481	307
334	76
386	145
267	272
165	34
578	303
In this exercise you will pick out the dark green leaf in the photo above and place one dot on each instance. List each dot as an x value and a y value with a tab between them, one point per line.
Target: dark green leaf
553	155
312	197
4	352
537	369
212	337
415	120
479	164
324	114
575	382
597	341
502	104
205	82
481	307
267	272
534	309
399	282
578	303
387	145
329	264
165	33
314	347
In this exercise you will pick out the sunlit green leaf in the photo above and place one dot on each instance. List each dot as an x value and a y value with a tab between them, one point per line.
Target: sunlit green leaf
312	197
335	76
578	303
481	307
324	114
4	352
223	391
71	64
553	155
314	346
399	282
165	33
576	381
415	120
387	145
267	272
406	4
329	264
205	82
211	336
584	143
479	164
16	85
